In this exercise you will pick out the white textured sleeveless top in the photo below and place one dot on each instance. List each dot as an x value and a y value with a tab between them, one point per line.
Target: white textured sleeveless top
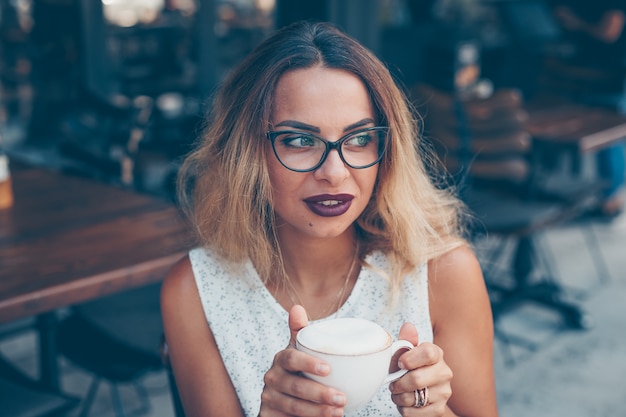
250	327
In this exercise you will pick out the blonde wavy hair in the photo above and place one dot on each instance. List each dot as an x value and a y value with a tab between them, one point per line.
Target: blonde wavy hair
224	187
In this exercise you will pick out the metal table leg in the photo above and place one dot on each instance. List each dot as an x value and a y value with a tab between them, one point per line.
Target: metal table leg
48	363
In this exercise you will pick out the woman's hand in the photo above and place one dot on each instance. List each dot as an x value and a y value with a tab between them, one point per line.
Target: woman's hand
428	372
287	392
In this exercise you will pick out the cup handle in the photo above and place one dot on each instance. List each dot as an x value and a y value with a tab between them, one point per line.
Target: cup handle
395	347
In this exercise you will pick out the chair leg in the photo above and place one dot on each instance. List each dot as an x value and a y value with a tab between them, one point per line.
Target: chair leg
496	253
596	254
593	246
116	400
91	394
176	401
509	340
544	254
143	397
523	262
509	359
547	293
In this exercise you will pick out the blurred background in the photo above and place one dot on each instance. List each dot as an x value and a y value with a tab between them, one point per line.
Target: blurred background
79	75
115	91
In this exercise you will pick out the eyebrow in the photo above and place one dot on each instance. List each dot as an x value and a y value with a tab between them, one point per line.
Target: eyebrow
304	126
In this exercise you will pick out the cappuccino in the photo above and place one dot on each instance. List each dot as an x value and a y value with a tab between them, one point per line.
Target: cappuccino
359	353
349	336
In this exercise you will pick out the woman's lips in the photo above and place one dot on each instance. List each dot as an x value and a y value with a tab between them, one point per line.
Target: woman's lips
327	205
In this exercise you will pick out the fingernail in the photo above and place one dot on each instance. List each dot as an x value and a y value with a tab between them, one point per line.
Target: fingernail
339	399
400	365
338	412
322	368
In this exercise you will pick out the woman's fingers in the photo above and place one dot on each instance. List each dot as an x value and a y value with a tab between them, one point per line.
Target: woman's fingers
293	360
294	391
437	394
288	391
409	332
275	403
434	405
427	370
426	354
297	320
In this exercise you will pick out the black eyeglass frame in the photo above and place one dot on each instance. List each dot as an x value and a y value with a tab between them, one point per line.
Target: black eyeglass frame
271	136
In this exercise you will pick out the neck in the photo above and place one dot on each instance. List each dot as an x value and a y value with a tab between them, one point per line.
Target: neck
320	284
317	261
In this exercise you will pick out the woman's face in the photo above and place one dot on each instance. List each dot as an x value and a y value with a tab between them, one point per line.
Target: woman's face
329	103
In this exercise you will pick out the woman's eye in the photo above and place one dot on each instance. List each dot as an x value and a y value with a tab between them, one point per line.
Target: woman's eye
362	139
299	141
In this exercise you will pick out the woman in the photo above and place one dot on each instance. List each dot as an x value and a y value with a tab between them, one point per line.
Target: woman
311	201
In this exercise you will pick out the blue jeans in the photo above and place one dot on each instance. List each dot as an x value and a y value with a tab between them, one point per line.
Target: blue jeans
611	162
611	165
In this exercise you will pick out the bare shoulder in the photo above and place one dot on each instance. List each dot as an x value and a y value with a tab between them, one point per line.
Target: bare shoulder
202	379
463	328
460	266
180	300
456	283
179	280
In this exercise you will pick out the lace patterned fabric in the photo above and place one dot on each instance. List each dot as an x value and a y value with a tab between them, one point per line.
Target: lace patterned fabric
250	327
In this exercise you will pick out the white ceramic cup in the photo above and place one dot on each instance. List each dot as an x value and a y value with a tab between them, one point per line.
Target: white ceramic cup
359	353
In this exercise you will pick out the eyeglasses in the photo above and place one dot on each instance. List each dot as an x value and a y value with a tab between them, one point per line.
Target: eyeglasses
304	152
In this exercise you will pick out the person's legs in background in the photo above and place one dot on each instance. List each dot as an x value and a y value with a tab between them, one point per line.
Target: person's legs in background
611	161
611	166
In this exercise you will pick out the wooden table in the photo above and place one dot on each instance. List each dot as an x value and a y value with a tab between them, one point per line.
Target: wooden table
579	129
68	240
572	129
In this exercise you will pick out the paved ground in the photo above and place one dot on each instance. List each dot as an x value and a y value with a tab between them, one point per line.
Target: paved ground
574	373
569	373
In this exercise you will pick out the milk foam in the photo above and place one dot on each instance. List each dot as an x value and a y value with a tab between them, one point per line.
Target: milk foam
345	336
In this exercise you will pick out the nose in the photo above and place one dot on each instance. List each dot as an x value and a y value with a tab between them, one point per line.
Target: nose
333	169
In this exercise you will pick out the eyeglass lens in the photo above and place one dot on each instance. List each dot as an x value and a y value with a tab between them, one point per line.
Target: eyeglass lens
304	151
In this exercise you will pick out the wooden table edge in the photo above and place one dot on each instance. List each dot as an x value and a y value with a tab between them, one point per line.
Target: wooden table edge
96	286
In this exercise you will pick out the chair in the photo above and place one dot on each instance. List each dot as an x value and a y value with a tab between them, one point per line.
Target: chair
484	144
488	132
116	339
21	396
176	402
